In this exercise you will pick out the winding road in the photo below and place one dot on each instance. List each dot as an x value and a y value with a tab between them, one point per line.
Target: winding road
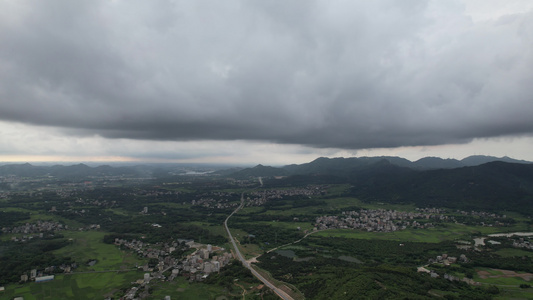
276	290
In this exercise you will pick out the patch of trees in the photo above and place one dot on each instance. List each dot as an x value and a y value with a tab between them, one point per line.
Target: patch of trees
227	275
176	231
380	251
492	260
324	278
293	202
254	217
19	258
12	217
168	231
267	234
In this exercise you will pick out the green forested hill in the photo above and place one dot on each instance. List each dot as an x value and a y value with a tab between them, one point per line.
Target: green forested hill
491	186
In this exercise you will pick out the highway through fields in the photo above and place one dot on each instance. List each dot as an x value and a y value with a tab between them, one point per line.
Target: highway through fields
278	292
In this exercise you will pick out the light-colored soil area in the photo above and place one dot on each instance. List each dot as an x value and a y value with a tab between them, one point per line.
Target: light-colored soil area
252	260
505	274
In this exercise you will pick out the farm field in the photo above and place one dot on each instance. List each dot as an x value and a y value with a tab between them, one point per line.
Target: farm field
74	286
430	235
510	252
88	245
182	289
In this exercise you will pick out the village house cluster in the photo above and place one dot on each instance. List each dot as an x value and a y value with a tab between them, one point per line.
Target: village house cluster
214	203
522	243
431	210
392	220
447	260
258	198
65	193
483	218
146	250
152	193
98	203
197	266
218	200
34	230
377	220
481	214
449	277
200	264
45	274
68	205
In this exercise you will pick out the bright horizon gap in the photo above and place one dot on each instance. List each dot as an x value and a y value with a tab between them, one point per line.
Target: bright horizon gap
277	155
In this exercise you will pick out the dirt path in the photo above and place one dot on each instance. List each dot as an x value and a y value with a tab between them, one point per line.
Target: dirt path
274	249
243	290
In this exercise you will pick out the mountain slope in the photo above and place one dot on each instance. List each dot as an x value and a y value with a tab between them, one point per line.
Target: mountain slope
495	185
476	160
344	167
75	172
259	171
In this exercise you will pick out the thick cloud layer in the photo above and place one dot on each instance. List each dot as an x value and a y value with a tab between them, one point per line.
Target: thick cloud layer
352	74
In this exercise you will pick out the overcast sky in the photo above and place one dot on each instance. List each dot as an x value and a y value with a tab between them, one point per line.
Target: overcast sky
269	82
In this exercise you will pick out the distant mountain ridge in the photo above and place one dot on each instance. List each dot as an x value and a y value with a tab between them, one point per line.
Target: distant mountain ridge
344	166
259	171
321	166
496	185
476	182
76	171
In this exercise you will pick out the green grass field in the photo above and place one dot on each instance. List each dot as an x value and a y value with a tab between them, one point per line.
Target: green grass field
330	204
118	211
336	189
509	286
250	250
514	293
250	209
74	286
430	235
412	235
182	289
504	281
512	252
288	225
214	229
339	203
88	245
94	285
171	205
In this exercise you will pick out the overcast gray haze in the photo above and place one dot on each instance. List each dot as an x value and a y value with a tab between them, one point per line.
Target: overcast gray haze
270	82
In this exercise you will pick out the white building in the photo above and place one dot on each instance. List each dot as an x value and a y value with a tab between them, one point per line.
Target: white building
44	278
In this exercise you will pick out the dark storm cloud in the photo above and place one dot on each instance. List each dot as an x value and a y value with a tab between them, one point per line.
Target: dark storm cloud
319	73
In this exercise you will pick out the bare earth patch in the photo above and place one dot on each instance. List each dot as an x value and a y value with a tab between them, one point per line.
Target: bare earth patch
505	274
252	260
